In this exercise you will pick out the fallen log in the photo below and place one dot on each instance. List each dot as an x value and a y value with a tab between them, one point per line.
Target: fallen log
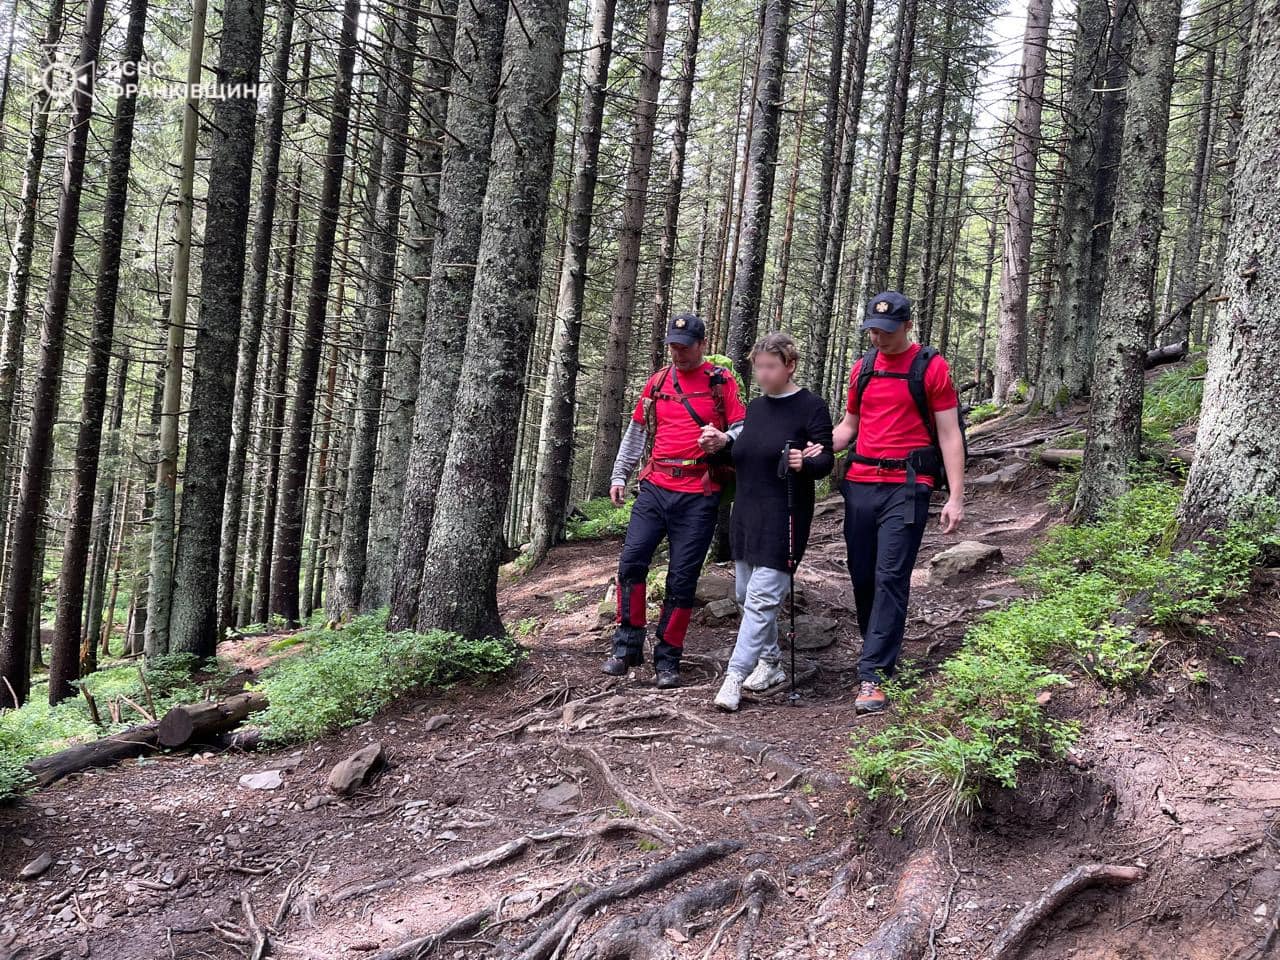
198	721
181	725
1169	353
904	936
133	742
1010	941
1059	457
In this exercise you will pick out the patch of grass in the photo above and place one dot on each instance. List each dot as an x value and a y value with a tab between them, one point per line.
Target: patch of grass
982	718
1172	400
598	518
567	601
347	675
982	411
36	729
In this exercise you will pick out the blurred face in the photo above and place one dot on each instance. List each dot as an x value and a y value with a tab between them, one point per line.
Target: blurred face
686	358
771	373
891	343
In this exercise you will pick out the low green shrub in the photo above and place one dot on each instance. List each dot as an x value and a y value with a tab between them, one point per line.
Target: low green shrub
598	518
345	676
982	717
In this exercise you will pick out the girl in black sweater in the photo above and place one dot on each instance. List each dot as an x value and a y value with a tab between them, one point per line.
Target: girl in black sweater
760	528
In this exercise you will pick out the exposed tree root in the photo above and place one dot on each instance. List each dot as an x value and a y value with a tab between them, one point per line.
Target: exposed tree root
513	848
623	792
841	884
1014	935
552	938
488	917
767	755
905	934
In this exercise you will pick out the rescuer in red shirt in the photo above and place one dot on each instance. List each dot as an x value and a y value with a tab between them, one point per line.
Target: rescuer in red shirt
678	498
902	418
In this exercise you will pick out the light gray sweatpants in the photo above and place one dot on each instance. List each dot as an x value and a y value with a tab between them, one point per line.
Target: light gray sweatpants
761	592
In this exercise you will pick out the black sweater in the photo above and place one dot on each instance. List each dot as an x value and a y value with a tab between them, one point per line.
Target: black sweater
759	529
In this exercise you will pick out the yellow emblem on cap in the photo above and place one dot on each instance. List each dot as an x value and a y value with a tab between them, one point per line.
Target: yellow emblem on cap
882	306
680	322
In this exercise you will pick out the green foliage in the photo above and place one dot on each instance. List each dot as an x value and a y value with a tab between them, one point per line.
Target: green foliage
36	729
347	675
567	601
600	518
1172	400
981	719
982	411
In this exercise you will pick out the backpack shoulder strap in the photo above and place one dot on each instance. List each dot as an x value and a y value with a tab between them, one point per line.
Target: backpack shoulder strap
650	402
865	371
718	375
915	383
684	400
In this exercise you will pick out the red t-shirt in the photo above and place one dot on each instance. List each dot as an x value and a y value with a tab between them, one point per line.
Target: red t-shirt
677	433
889	424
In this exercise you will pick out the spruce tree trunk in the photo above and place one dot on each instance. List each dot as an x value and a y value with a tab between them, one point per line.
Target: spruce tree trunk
1186	274
286	563
193	626
1114	438
404	364
675	183
28	516
614	367
1015	275
264	230
380	261
275	423
555	443
1066	373
1236	470
460	589
762	156
112	476
64	665
463	177
886	206
827	270
164	510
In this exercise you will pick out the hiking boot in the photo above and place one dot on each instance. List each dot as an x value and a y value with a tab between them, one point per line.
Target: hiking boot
730	694
617	666
668	678
870	699
764	676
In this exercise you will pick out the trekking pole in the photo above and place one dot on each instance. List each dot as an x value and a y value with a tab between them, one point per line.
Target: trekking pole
785	469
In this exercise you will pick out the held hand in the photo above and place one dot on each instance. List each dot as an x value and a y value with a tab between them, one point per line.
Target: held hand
618	493
712	439
796	456
952	515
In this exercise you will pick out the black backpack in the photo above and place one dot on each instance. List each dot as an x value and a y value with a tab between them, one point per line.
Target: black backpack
928	460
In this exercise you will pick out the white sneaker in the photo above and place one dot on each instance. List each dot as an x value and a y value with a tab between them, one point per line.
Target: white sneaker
764	676
730	692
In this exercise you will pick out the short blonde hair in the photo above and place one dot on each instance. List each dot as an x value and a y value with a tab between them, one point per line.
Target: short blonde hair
780	345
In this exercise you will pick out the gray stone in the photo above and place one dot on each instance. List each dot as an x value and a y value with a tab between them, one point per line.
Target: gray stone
1001	479
36	867
356	770
265	780
722	609
714	588
558	799
813	632
966	557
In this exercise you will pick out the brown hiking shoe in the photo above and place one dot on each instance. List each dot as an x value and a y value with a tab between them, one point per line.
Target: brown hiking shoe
870	699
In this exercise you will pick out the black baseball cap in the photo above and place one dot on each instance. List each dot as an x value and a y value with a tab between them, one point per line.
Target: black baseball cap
887	311
686	329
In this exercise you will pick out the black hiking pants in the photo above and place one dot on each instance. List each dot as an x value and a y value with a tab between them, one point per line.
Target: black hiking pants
881	547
